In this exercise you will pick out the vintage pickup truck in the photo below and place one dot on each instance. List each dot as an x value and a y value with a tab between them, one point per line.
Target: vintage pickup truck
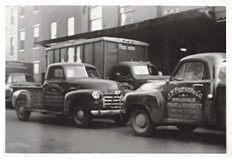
132	74
71	89
195	95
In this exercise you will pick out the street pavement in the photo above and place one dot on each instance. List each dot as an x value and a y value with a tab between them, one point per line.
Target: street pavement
48	134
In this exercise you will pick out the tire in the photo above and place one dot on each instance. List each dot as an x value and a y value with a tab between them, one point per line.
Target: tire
82	118
22	114
141	122
120	120
186	128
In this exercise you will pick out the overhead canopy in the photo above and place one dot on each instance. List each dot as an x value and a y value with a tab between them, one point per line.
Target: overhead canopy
197	24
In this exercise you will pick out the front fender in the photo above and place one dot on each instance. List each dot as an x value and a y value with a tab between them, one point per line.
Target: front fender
25	95
81	96
153	101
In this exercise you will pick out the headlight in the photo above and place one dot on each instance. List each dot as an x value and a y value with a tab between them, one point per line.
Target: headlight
96	95
117	92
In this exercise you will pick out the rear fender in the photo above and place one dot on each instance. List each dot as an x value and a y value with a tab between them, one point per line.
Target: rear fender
82	96
25	95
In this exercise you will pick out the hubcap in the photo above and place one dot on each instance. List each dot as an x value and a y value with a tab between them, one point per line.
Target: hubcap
80	115
21	110
140	120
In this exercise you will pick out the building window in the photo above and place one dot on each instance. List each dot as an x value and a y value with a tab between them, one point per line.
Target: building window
22	11
12	16
12	44
126	15
22	40
53	30
36	34
70	26
96	18
36	9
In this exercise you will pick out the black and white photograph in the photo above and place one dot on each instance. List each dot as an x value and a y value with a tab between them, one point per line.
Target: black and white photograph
122	78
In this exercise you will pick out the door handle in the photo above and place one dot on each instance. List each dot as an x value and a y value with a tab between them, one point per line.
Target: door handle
197	85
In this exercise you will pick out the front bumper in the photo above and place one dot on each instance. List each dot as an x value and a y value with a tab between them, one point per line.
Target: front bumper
106	112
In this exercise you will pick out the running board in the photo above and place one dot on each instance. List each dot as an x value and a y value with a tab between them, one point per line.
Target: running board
45	111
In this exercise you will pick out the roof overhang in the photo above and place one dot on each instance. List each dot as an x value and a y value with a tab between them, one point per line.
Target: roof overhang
192	23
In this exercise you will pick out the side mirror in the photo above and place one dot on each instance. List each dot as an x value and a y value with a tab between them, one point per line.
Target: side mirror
160	74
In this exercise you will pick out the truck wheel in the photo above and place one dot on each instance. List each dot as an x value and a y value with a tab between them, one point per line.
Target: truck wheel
186	128
141	123
120	120
22	114
81	117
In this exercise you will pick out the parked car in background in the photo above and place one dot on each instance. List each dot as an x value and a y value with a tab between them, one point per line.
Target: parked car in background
16	79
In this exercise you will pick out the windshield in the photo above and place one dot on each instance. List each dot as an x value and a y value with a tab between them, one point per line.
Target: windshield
141	70
222	72
81	72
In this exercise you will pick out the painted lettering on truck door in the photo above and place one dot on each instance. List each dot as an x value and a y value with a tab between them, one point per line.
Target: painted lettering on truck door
186	92
54	89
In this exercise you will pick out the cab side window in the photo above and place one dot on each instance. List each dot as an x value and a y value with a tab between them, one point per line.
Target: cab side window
190	71
56	73
124	71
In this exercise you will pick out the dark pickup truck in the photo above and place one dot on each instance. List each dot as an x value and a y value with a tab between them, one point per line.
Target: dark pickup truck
132	74
71	89
195	95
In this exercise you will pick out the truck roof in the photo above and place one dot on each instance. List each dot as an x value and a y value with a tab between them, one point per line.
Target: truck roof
91	40
206	56
133	63
71	64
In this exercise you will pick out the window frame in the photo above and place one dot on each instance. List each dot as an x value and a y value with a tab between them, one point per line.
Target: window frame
129	11
22	41
94	19
36	36
70	29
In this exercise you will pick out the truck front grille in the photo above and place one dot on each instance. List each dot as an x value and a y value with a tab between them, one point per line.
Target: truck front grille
112	101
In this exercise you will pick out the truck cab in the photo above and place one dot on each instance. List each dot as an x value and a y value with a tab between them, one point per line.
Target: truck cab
132	74
195	95
71	89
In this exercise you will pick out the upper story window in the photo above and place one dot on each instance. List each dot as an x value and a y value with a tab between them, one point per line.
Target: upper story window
12	16
96	18
12	48
53	30
126	15
22	40
70	26
36	9
22	11
36	34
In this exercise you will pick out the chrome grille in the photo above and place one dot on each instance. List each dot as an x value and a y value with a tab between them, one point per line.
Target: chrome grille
112	101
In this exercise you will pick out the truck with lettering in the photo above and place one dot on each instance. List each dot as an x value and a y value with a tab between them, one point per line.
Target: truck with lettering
71	89
17	73
119	59
195	95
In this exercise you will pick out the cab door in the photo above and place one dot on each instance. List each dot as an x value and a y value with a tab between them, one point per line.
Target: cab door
54	89
125	77
187	91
